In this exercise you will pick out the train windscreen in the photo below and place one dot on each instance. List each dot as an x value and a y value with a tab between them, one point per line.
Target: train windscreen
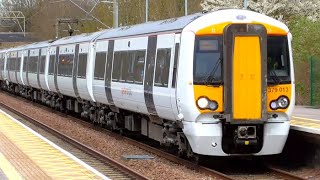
208	60
278	60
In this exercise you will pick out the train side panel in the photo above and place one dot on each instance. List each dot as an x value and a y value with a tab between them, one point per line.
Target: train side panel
127	88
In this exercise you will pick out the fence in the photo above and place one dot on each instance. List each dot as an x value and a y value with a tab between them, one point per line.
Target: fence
315	81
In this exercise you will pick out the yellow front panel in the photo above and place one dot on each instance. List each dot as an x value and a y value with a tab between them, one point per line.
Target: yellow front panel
246	78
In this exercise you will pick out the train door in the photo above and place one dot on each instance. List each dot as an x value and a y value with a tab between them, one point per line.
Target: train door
149	75
245	48
55	69
173	92
27	63
75	71
24	67
38	68
9	61
16	67
162	88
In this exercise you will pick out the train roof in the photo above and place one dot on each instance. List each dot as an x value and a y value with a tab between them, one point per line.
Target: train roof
85	37
190	22
173	24
42	44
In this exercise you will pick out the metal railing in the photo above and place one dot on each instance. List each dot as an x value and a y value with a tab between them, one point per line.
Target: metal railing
315	81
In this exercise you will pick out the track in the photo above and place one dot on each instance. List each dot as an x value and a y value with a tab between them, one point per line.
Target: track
98	155
284	174
123	171
210	172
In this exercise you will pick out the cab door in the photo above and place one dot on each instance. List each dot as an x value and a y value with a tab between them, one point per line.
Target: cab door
245	51
174	72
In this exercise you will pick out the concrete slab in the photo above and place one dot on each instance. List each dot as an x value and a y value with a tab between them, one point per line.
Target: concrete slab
307	112
306	119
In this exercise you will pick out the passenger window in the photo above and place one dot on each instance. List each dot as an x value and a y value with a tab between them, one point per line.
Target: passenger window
32	64
12	64
175	65
9	64
65	65
162	67
116	70
100	63
82	65
139	67
124	65
1	64
18	63
51	64
42	64
25	60
128	66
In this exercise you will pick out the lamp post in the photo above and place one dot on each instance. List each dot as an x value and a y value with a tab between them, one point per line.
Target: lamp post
185	7
147	10
245	4
115	12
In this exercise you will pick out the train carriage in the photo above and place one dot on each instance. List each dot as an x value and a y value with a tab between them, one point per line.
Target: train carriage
2	64
218	83
70	71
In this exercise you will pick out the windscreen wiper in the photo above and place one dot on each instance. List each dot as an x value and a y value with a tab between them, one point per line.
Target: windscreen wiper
275	77
211	77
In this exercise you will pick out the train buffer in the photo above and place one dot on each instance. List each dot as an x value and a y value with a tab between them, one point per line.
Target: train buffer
25	154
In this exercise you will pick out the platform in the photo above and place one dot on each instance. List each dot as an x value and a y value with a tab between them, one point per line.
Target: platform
25	154
2	175
306	119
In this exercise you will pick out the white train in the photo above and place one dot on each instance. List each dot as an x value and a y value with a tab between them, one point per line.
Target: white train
218	83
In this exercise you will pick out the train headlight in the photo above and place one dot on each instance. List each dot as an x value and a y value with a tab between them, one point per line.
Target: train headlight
203	103
213	105
273	105
283	102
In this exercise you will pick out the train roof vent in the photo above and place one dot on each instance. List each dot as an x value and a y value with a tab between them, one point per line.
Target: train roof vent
169	21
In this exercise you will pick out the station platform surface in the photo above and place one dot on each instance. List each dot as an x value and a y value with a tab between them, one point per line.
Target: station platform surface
306	119
25	154
2	176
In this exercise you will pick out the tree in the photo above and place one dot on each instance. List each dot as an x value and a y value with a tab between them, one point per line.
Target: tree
279	9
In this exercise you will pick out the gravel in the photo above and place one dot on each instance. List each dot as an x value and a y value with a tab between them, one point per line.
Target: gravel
157	168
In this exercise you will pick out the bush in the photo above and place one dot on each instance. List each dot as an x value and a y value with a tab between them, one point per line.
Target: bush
306	43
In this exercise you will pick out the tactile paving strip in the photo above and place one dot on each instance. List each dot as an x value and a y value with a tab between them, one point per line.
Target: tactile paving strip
26	155
305	125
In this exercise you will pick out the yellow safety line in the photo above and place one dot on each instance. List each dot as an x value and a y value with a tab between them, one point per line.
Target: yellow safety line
54	162
295	122
316	120
8	169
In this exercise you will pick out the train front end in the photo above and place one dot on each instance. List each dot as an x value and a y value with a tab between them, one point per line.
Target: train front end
240	95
